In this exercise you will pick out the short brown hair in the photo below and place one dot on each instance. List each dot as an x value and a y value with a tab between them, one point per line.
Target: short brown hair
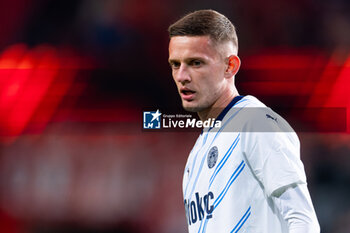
205	23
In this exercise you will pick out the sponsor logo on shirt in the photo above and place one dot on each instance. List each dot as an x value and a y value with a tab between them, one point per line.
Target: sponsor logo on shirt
200	208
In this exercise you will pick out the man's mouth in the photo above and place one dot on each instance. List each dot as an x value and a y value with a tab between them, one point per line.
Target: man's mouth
187	94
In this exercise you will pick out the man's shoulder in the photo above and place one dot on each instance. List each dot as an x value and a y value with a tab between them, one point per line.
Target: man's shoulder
251	115
250	101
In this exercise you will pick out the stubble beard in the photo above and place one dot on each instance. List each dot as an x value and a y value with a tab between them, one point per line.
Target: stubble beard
200	107
191	109
197	108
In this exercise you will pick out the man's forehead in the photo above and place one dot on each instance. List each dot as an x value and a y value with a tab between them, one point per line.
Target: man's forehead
188	40
191	45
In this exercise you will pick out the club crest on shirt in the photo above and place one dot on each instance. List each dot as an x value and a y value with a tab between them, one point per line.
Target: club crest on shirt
212	156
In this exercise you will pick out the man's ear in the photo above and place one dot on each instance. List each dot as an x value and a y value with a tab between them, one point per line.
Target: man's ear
233	64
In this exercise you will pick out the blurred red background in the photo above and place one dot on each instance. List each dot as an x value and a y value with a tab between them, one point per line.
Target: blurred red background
76	75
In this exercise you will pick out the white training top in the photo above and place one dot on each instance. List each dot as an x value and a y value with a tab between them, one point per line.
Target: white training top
233	173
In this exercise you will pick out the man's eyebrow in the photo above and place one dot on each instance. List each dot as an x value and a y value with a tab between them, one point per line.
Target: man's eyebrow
172	60
187	59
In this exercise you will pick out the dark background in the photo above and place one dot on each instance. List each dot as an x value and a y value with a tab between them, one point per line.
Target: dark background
75	76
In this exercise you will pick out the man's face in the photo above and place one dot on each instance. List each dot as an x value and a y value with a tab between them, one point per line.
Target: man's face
198	71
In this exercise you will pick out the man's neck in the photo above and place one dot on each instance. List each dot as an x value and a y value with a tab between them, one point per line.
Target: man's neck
216	108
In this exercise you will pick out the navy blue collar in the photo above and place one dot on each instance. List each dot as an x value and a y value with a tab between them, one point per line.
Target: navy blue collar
228	107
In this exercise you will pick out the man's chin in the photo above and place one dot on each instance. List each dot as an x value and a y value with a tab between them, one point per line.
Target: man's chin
190	108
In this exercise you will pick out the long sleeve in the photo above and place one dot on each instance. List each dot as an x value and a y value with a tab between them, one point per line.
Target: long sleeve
295	206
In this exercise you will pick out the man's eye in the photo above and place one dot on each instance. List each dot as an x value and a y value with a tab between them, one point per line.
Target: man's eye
175	65
196	63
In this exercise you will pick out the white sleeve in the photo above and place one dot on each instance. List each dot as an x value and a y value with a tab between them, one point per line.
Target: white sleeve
272	149
274	159
295	207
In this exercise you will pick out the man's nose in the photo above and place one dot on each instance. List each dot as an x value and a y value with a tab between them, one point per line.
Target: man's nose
182	75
